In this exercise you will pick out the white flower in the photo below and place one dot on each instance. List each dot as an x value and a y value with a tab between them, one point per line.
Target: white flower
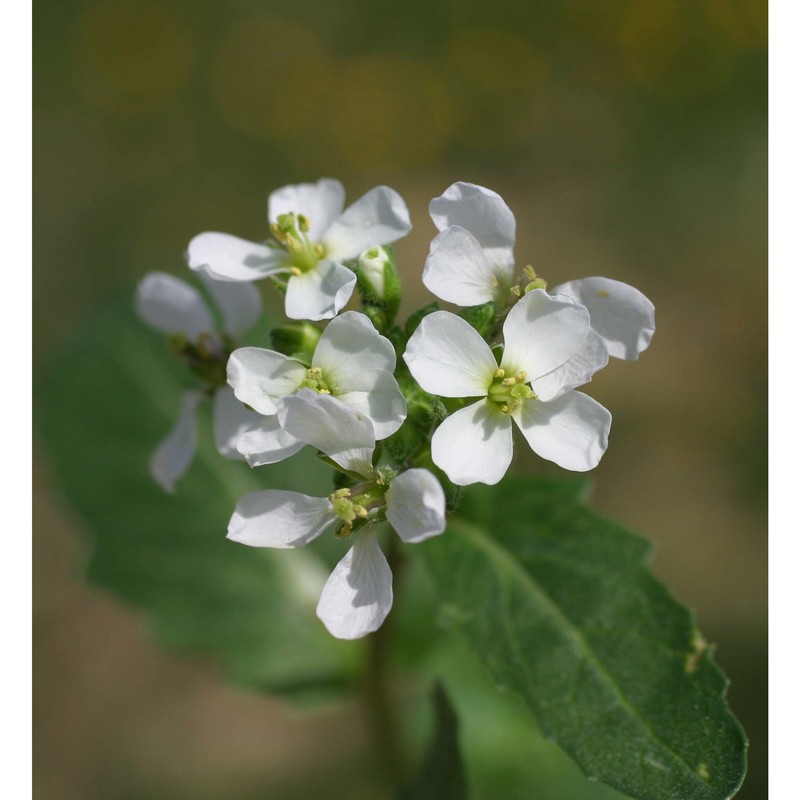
449	358
358	595
173	307
351	362
472	262
312	237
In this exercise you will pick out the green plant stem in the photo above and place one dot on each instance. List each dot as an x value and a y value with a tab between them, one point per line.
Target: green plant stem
378	707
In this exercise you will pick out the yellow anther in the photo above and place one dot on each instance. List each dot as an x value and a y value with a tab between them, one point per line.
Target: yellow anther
495	282
499	373
530	273
361	511
292	244
509	382
520	376
319	249
341	493
303	223
323	391
504	408
295	270
276	232
516	291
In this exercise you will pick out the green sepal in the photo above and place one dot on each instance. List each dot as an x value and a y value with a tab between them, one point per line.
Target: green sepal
481	317
295	338
412	323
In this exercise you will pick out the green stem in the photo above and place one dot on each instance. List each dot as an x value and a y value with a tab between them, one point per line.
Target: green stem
377	700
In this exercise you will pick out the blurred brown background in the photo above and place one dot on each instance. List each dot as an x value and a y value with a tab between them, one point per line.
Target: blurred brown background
629	138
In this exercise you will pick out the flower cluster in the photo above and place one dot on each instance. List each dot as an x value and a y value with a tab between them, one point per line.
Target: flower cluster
404	415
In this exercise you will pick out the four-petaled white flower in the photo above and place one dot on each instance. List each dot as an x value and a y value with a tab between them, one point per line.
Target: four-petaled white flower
173	307
312	237
471	262
358	595
351	362
449	358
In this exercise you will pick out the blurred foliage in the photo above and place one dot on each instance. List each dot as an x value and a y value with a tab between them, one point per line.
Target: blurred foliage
630	140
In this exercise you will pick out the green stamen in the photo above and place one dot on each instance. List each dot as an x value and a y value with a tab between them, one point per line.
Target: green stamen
291	232
508	394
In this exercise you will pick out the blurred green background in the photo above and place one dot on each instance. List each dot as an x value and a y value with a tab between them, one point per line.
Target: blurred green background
629	138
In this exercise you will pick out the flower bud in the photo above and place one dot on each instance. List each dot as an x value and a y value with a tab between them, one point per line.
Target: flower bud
296	338
379	285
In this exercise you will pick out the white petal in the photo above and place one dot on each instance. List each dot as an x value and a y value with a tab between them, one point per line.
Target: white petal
382	401
173	456
261	377
622	315
321	203
170	305
458	271
379	217
572	431
415	505
474	445
275	518
448	357
358	594
349	345
239	303
231	419
324	422
229	258
319	293
542	333
267	443
483	213
593	356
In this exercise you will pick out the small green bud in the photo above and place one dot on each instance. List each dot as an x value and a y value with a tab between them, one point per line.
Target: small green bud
379	285
295	337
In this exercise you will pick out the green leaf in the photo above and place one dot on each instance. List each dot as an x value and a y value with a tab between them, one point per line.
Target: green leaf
560	606
441	775
105	407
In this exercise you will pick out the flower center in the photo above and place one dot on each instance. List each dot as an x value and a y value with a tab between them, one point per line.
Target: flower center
353	506
315	380
291	233
508	393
